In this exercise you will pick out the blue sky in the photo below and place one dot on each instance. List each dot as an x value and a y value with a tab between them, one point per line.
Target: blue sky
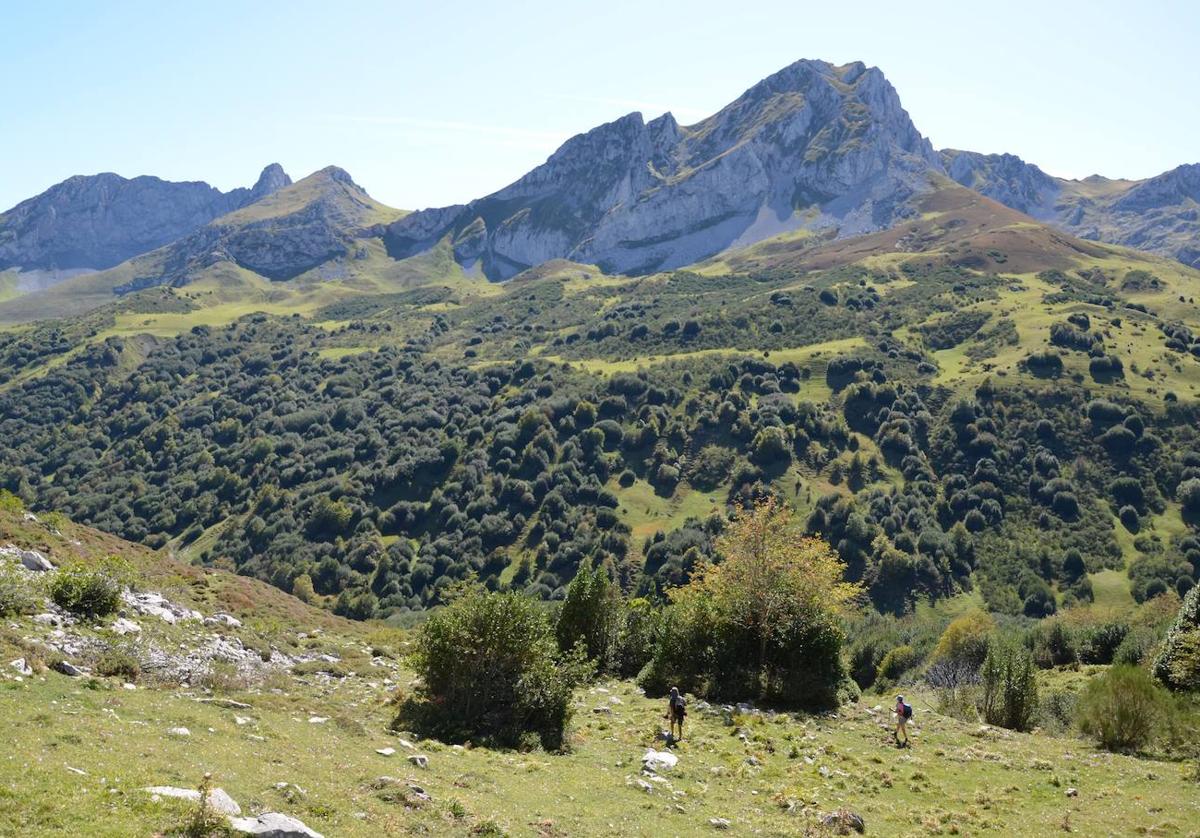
432	103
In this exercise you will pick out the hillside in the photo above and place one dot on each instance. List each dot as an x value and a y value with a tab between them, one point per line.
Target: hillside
269	734
317	228
1158	214
95	222
385	444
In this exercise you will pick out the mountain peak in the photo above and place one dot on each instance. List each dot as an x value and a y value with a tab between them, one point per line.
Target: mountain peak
272	179
337	175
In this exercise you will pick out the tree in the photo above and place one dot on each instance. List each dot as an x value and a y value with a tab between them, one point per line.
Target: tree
592	614
764	622
1178	663
1189	495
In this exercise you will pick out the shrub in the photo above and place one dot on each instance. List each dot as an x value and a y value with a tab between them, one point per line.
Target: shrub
1189	495
1121	708
762	624
895	663
592	615
965	640
1053	644
1178	664
639	634
1098	644
19	591
118	662
91	591
1009	694
490	667
1137	646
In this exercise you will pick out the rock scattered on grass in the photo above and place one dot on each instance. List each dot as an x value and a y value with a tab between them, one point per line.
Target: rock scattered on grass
843	821
419	760
386	752
272	825
179	732
218	799
659	761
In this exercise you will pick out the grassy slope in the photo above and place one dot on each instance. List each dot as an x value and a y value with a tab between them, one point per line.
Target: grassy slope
958	779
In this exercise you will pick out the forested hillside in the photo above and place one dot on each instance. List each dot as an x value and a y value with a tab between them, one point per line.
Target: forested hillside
945	423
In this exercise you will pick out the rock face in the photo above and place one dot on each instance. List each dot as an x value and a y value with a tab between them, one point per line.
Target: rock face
1160	215
96	221
1005	178
292	230
813	146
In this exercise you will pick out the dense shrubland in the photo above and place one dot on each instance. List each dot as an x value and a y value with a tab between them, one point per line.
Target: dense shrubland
370	482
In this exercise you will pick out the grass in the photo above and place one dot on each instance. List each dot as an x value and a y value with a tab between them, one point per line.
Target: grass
953	781
646	512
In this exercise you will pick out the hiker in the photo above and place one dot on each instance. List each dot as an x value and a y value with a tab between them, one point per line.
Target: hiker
676	710
903	714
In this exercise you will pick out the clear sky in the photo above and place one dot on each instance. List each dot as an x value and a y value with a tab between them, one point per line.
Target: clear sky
430	103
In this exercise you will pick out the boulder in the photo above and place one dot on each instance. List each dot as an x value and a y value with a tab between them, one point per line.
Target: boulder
719	823
419	760
67	668
124	626
386	752
222	619
843	821
272	825
29	559
659	761
218	799
22	666
179	732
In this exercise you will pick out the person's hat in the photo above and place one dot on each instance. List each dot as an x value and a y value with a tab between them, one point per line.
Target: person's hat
899	698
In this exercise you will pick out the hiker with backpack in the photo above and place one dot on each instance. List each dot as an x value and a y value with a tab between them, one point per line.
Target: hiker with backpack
676	711
904	712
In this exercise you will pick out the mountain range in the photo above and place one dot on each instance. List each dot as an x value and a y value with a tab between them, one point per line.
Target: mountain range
815	150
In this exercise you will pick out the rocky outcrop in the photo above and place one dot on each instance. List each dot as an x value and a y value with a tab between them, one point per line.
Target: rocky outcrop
813	146
293	230
1005	178
1160	215
96	221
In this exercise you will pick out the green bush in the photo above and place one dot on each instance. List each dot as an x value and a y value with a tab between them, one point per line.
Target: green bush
91	590
1136	648
1178	664
1098	644
1121	708
1008	687
639	634
490	667
966	640
20	593
592	615
1053	644
894	664
118	662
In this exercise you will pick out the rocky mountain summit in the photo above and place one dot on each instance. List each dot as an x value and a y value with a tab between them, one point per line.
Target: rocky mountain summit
292	230
813	146
1160	214
94	222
